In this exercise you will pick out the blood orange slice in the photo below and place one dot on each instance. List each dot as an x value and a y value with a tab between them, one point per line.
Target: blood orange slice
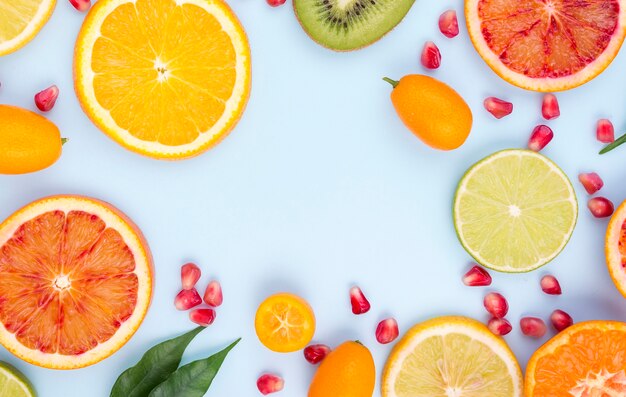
76	281
547	45
615	248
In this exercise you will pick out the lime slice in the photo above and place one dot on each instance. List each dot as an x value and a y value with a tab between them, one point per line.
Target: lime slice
515	211
13	383
451	356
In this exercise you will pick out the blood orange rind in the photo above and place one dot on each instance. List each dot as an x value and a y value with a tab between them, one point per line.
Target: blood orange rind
135	242
615	248
593	60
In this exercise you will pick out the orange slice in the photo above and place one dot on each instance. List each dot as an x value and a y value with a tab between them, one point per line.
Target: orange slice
615	248
285	323
547	45
585	360
20	21
76	281
165	78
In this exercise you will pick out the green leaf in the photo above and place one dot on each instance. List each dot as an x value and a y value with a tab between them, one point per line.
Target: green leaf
613	145
193	379
156	365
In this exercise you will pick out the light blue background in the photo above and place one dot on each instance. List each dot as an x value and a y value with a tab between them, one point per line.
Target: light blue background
319	187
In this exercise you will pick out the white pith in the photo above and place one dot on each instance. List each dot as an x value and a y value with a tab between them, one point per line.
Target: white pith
43	13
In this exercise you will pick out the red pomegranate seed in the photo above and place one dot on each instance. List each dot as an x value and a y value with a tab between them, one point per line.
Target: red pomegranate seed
496	304
45	100
213	295
360	304
202	317
550	107
605	132
499	326
276	3
477	277
189	275
269	383
316	353
387	331
497	107
541	136
601	207
186	299
561	320
533	327
591	182
431	57
550	285
81	5
449	24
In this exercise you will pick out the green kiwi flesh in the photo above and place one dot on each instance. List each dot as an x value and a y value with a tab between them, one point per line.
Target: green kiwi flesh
346	25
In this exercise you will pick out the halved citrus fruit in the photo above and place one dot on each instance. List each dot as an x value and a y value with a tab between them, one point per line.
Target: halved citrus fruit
284	323
615	248
76	281
451	356
165	78
20	21
547	45
585	360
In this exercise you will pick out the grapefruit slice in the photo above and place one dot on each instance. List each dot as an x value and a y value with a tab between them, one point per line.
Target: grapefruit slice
585	360
615	248
547	45
76	281
20	21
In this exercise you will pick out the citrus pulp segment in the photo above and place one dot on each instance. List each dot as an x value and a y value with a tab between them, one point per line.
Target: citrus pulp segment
164	78
13	383
547	45
615	248
20	21
586	359
451	356
515	211
76	281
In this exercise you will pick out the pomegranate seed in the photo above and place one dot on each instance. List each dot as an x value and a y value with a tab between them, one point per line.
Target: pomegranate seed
276	3
431	57
477	277
533	327
387	331
605	132
591	182
316	353
497	107
189	275
550	285
499	326
449	24
561	320
186	299
541	136
496	304
601	207
269	383
45	100
213	295
550	107
202	317
360	304
81	5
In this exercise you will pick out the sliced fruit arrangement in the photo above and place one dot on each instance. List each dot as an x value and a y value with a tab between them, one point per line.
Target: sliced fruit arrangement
451	356
285	323
13	383
586	359
346	25
514	211
20	21
170	88
77	281
547	45
28	141
615	248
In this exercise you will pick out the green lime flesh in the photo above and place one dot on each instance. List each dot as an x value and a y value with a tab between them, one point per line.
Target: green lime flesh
515	211
13	383
346	25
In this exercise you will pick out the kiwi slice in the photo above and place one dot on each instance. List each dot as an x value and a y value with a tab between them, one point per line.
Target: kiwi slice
346	25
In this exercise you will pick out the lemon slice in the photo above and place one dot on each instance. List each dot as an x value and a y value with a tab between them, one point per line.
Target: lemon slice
451	357
13	383
20	21
515	211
